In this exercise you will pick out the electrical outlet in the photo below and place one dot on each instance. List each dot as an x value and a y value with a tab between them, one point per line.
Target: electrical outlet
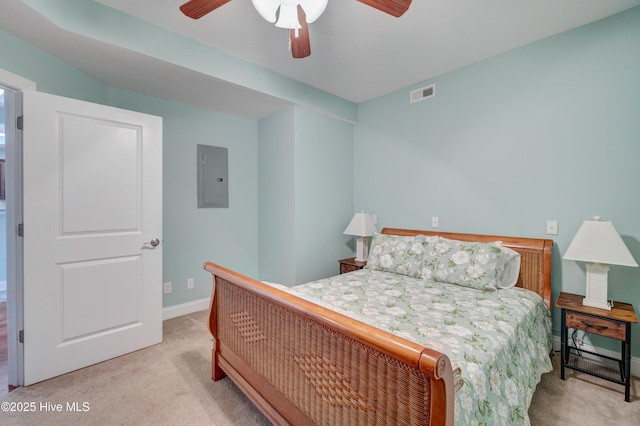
189	283
167	288
435	222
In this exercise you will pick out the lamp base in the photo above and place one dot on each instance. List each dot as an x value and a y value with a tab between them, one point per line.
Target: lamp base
362	249
596	304
597	276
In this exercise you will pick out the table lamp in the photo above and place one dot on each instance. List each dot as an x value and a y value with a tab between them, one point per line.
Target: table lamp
361	226
598	242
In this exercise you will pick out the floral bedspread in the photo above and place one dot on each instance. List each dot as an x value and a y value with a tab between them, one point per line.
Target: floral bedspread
500	340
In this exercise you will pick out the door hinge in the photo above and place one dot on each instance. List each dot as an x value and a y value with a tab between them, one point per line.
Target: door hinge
21	336
19	122
20	230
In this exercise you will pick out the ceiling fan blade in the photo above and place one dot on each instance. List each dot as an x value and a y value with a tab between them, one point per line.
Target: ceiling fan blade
198	8
393	7
300	45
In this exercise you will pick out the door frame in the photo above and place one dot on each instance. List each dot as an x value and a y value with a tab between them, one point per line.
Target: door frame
14	85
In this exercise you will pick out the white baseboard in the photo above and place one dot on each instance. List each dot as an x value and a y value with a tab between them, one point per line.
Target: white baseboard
185	308
635	361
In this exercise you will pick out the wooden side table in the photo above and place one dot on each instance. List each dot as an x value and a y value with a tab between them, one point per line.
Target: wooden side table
350	264
615	324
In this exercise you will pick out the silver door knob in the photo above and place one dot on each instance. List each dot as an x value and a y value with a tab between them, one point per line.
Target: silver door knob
155	242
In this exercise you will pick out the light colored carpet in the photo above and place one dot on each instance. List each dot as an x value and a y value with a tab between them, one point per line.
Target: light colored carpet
166	384
582	399
171	384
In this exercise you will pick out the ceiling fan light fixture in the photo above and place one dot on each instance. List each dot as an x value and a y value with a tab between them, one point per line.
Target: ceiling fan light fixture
294	15
288	17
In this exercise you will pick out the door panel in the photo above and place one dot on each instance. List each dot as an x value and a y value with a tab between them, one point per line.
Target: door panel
92	183
113	163
97	297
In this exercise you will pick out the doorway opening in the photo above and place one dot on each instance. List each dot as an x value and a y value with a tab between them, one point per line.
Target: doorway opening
4	359
10	244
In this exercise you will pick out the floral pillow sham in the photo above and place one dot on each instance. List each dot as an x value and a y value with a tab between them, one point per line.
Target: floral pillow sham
469	264
397	254
483	266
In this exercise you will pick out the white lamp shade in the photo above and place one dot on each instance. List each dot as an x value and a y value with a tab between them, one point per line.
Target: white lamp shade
599	242
361	225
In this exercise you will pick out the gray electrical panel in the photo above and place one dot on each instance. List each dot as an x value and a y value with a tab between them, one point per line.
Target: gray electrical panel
213	177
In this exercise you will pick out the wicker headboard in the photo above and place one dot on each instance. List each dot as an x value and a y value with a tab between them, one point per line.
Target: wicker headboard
535	267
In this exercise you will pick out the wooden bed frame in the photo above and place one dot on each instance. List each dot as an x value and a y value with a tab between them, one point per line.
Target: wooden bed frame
302	364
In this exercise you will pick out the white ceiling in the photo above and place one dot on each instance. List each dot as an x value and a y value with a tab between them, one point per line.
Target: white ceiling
358	53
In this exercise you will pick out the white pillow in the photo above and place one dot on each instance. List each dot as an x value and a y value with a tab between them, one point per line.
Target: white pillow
508	268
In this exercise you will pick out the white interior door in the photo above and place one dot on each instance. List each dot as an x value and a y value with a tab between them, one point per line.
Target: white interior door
92	185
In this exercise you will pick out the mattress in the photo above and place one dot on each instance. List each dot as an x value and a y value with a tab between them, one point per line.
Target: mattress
499	340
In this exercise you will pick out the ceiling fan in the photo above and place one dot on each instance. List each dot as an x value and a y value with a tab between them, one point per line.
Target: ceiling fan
292	14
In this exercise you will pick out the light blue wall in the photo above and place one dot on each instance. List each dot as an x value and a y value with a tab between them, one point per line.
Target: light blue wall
191	236
276	190
303	217
51	75
305	195
323	194
547	131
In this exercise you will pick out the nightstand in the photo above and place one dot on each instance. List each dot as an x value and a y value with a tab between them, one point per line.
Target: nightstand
350	264
615	324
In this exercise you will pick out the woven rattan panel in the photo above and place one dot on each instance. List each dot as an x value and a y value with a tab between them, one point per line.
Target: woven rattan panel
531	271
332	379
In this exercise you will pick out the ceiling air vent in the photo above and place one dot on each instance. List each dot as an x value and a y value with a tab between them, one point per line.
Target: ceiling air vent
422	93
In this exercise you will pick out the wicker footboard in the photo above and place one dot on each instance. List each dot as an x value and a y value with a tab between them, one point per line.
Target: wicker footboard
303	364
